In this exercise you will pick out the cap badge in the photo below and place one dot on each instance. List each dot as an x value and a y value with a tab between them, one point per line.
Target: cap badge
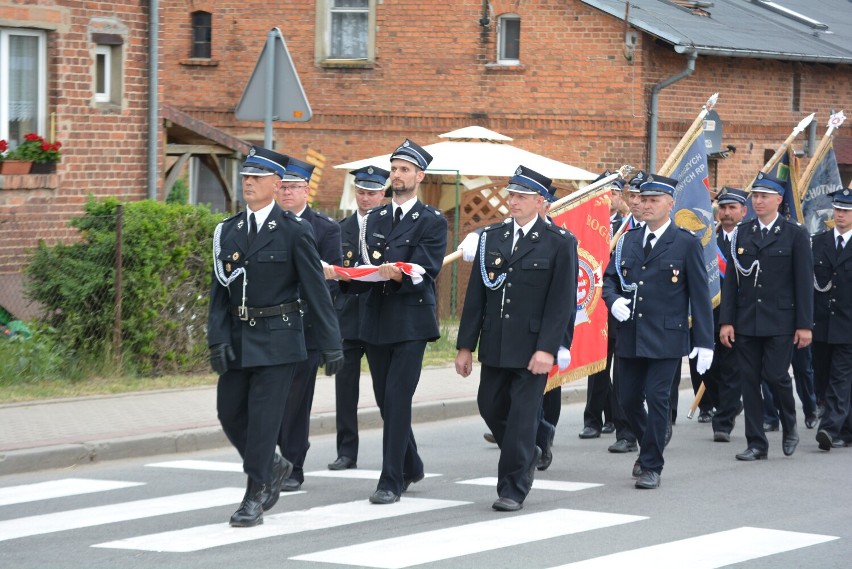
846	192
518	172
236	256
370	170
415	215
405	144
252	152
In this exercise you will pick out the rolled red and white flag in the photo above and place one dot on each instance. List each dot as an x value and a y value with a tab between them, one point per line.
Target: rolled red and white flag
370	273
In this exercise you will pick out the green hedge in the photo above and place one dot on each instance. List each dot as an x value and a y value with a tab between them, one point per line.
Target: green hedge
166	252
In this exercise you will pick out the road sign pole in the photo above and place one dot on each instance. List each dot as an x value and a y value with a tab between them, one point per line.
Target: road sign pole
270	88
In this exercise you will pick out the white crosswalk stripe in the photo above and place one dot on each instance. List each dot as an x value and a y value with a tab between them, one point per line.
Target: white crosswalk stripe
323	517
99	515
717	550
537	484
431	546
58	489
221	466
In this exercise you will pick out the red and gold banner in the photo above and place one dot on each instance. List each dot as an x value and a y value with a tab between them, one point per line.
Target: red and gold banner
587	217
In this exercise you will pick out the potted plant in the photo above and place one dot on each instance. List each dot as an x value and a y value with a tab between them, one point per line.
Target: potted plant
10	163
44	155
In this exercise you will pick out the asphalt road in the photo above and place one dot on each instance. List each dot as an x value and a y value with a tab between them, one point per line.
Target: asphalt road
711	511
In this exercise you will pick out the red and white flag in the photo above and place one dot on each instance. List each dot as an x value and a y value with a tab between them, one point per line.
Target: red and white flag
370	273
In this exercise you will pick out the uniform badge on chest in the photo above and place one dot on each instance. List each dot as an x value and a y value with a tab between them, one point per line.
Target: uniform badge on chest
377	255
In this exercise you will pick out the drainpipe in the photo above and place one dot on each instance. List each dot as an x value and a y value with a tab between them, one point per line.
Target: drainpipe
153	98
655	99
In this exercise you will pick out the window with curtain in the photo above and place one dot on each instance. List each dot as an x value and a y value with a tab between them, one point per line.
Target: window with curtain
202	35
23	82
509	39
349	36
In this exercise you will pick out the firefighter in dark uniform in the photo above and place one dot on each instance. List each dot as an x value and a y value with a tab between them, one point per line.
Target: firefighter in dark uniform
292	195
659	270
517	309
767	310
722	377
400	315
832	347
370	182
265	260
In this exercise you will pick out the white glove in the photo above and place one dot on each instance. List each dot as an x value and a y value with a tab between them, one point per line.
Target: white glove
563	358
705	358
468	247
619	309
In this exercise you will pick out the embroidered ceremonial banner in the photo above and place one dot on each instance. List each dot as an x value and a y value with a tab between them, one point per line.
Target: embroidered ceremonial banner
816	202
588	219
786	170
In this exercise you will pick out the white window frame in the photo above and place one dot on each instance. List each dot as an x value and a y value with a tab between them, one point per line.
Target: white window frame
106	95
41	123
325	9
501	39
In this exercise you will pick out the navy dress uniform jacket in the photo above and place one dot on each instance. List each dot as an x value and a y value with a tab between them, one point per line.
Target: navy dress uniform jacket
782	300
350	306
281	262
400	312
832	308
537	303
327	237
671	277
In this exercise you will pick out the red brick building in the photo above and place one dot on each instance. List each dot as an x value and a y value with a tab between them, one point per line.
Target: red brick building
568	79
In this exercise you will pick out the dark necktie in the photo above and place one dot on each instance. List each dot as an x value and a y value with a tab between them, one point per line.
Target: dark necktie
764	232
397	215
839	244
517	239
252	228
648	244
727	242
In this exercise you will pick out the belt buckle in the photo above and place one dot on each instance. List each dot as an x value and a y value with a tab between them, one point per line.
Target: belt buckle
243	313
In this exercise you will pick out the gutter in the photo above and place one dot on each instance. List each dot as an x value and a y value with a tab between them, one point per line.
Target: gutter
655	100
153	97
733	52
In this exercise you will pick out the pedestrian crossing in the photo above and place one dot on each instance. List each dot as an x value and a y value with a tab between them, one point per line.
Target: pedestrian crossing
465	528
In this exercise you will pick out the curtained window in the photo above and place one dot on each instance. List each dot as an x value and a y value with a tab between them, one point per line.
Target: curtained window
22	84
346	30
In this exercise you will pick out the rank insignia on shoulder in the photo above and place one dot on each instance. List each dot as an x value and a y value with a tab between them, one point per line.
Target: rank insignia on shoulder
562	231
438	213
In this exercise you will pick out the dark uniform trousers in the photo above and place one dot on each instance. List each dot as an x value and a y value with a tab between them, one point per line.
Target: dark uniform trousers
671	280
765	311
347	384
832	347
295	428
398	319
602	394
282	265
530	311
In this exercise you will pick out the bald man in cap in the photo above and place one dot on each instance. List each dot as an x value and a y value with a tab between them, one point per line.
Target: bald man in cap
517	308
767	311
832	347
400	315
254	326
654	281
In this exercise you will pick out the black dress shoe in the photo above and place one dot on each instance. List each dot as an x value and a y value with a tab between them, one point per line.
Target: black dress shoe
490	438
546	453
506	505
789	443
704	417
824	439
250	512
608	428
721	437
589	433
751	454
383	497
811	421
343	463
290	485
637	470
648	480
622	445
531	471
281	470
769	427
406	482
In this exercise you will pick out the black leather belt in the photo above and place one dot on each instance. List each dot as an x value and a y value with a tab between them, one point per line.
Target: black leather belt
247	312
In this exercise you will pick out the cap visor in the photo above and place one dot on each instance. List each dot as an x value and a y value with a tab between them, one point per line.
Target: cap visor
368	185
407	158
763	190
519	189
292	178
252	171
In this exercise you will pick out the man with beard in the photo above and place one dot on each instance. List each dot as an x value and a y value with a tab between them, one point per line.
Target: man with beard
399	317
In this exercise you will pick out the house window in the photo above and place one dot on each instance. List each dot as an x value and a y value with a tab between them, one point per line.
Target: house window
103	72
202	35
346	30
23	83
509	39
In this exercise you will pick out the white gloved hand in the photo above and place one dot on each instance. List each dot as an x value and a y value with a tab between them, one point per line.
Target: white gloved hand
563	358
620	310
705	358
468	247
